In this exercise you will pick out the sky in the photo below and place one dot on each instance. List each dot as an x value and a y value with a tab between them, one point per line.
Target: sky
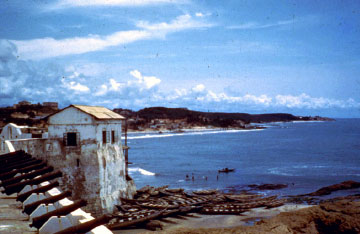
294	56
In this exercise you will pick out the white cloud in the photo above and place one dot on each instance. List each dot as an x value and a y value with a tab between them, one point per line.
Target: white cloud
49	47
181	22
38	82
120	3
114	85
78	87
308	102
254	25
136	74
102	90
199	14
237	46
147	81
198	88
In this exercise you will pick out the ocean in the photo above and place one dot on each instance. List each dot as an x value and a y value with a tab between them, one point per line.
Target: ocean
304	155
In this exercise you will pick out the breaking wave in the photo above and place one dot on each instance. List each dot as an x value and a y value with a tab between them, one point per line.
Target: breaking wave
189	133
141	171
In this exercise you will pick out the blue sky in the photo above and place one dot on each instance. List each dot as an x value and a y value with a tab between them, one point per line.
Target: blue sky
300	57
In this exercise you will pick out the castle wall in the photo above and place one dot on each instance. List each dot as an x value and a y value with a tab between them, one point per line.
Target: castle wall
88	152
99	178
112	177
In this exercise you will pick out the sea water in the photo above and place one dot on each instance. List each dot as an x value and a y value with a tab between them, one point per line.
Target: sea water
304	155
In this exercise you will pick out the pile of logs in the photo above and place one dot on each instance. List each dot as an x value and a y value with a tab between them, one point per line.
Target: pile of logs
156	203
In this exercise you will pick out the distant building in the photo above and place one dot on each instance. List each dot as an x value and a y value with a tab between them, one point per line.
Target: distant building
12	131
53	105
22	103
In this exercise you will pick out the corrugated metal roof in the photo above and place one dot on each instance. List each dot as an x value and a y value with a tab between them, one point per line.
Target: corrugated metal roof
99	112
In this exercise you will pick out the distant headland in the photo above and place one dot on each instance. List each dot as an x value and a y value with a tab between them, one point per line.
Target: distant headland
178	119
155	118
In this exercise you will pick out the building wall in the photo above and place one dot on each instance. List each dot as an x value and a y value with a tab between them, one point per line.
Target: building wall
35	147
94	170
99	178
70	115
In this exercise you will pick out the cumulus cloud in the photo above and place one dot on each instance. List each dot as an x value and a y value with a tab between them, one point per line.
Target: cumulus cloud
25	80
198	88
148	81
38	82
77	87
48	47
200	96
137	92
306	101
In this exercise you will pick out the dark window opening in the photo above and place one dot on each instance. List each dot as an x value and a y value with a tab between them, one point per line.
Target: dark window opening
78	162
104	137
36	135
112	137
71	139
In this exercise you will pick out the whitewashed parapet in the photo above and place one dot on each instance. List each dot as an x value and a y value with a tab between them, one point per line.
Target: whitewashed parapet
55	224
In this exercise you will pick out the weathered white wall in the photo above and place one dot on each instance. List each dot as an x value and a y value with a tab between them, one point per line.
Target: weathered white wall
100	177
70	115
112	177
93	171
108	125
34	146
10	131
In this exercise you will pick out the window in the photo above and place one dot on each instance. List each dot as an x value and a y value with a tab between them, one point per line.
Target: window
78	162
105	137
71	138
112	137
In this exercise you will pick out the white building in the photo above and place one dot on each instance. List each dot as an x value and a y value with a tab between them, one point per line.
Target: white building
12	131
84	142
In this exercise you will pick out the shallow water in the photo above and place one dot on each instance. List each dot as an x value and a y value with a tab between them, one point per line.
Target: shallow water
304	155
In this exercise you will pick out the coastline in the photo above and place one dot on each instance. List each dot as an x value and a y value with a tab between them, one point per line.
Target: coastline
254	126
233	223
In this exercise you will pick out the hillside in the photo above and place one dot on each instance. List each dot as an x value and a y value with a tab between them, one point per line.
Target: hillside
178	118
156	118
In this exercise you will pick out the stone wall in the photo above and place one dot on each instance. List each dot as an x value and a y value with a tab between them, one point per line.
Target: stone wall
112	177
93	172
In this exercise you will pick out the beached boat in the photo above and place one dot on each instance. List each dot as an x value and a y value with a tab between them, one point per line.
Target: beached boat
222	210
226	170
118	223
